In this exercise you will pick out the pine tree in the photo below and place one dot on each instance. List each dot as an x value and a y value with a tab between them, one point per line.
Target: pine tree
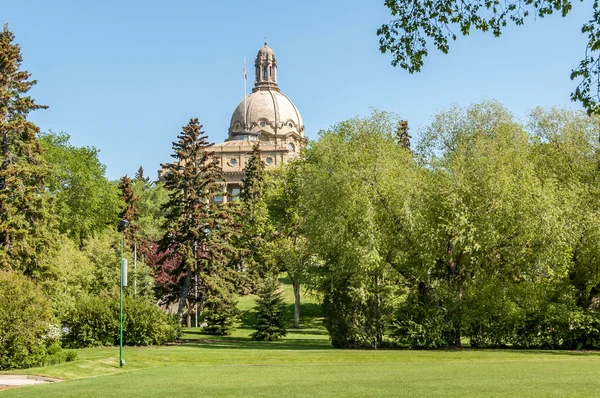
198	231
139	176
253	181
270	312
254	217
25	212
402	136
129	213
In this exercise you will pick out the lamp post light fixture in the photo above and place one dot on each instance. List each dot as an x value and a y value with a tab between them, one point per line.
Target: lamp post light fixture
123	282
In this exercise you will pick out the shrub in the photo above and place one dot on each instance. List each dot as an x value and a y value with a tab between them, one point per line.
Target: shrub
422	323
25	323
489	314
95	322
144	323
270	312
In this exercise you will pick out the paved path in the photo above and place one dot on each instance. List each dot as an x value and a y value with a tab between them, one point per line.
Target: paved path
22	380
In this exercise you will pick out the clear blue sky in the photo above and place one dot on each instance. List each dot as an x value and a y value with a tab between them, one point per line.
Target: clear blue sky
124	76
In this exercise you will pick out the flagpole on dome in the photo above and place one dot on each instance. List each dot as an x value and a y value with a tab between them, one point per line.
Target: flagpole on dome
245	109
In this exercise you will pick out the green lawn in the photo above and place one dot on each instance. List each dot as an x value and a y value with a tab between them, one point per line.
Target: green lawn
304	364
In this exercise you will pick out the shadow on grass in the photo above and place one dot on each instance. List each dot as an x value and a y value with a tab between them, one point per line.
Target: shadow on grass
308	330
240	343
579	353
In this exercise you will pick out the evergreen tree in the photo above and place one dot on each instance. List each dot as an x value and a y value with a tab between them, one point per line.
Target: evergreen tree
196	230
129	213
222	314
139	176
270	312
402	136
25	219
253	182
254	217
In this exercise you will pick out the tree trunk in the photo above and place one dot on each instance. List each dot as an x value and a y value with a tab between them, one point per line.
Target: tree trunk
184	294
379	331
296	284
188	320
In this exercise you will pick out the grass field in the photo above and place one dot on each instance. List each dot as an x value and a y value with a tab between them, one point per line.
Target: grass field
305	365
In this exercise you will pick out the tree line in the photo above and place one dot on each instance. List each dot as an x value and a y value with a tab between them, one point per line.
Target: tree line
484	231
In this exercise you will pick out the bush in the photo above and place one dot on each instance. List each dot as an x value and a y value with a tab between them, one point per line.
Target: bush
60	356
95	322
270	312
26	333
423	322
144	323
489	314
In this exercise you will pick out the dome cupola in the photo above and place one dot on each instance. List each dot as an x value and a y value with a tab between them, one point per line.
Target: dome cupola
265	70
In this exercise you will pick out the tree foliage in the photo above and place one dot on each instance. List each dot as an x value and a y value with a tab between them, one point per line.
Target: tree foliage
270	312
197	231
254	215
130	212
288	246
407	37
355	208
25	219
85	202
94	322
26	322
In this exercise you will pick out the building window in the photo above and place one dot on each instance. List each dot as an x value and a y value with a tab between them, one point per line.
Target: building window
269	161
218	199
233	162
262	124
291	147
234	194
265	73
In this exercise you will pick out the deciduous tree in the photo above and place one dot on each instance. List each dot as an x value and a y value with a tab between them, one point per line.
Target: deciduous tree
407	37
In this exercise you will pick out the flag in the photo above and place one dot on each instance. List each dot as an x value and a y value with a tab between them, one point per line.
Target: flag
245	75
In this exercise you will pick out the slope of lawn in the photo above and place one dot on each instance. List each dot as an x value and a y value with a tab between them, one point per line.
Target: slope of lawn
304	364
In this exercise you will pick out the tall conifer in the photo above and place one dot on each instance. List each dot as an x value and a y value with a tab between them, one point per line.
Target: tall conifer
255	215
402	136
24	202
129	212
139	176
197	230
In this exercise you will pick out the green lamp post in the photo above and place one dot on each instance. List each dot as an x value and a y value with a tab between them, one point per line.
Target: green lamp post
123	282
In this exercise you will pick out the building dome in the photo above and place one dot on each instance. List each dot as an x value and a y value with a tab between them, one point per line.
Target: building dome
266	114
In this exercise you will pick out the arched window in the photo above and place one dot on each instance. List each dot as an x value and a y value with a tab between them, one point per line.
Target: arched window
265	73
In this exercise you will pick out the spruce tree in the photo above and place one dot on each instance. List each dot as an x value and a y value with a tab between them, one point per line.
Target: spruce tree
139	176
254	217
129	212
253	181
198	232
25	212
221	312
402	136
270	312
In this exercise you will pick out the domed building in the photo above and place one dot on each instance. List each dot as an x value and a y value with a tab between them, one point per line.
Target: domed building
267	117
